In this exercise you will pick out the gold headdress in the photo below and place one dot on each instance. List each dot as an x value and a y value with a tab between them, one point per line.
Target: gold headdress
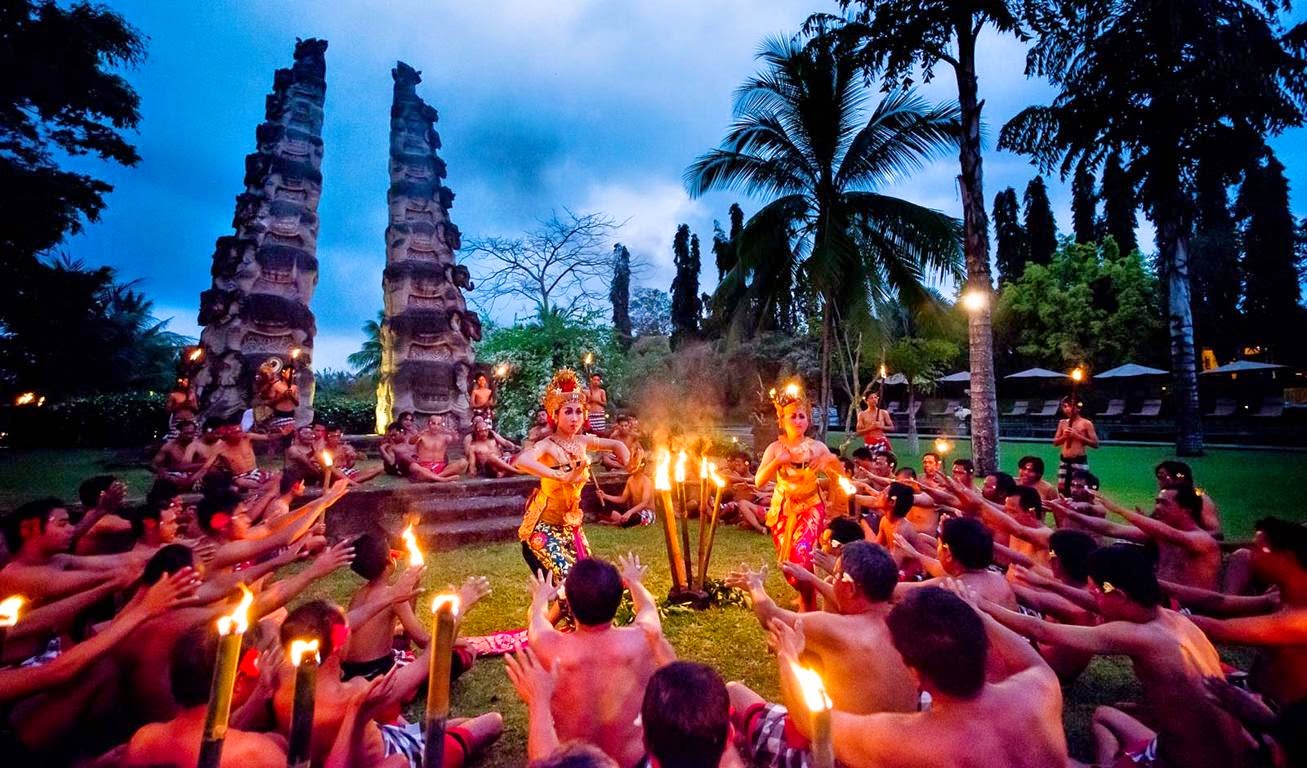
789	394
565	387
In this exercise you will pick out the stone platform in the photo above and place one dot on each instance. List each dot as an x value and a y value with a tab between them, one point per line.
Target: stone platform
450	515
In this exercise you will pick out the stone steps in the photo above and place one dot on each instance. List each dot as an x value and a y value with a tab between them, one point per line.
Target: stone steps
444	536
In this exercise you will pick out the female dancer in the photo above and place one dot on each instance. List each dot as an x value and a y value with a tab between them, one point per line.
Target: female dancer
873	422
797	514
551	534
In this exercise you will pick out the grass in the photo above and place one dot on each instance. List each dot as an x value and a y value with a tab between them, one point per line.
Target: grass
1247	484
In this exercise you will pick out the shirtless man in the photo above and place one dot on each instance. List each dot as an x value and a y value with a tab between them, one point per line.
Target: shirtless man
485	449
303	455
155	524
200	449
1186	554
482	400
874	422
965	552
1279	559
1171	474
598	407
602	669
1030	473
370	652
177	741
38	535
1064	596
171	462
332	719
396	453
290	486
344	457
430	461
1022	519
1171	657
539	429
102	528
1012	722
635	504
408	423
1075	434
235	449
846	643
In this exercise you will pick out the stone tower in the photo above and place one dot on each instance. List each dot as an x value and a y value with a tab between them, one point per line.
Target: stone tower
426	339
264	274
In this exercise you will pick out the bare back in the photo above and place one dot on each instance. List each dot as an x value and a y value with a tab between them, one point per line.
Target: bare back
863	672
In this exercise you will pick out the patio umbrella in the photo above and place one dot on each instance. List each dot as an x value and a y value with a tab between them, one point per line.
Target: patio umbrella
1244	366
896	379
961	377
1130	370
1036	373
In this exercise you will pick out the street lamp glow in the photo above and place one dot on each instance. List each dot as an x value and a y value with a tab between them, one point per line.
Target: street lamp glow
974	300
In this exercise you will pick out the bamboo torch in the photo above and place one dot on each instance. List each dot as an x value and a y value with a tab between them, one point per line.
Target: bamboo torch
851	491
818	704
682	458
663	488
304	656
10	608
231	628
705	553
327	461
697	578
444	612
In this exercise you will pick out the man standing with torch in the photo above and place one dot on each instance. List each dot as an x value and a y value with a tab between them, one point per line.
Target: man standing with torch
1075	434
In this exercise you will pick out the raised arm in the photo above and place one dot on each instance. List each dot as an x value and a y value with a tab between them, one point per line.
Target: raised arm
1159	530
1276	629
1219	604
540	630
1037	535
1107	528
772	459
764	607
234	552
57	617
615	447
1112	637
535	685
282	592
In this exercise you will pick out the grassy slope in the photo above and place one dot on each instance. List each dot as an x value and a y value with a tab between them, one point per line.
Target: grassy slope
729	639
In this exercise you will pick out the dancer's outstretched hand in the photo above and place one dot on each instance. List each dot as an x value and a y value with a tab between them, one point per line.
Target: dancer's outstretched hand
473	590
746	578
631	568
543	589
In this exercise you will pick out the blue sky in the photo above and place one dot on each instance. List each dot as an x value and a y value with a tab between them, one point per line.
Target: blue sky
591	105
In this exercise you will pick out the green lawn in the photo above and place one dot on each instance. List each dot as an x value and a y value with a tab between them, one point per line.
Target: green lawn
1247	484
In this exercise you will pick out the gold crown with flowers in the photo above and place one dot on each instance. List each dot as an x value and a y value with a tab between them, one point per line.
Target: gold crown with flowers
566	387
787	395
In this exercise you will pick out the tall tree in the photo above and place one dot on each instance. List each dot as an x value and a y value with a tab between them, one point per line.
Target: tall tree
803	137
1161	80
1010	248
909	38
620	294
1271	292
724	245
1214	265
685	286
1119	205
62	97
1084	206
651	312
1041	227
367	361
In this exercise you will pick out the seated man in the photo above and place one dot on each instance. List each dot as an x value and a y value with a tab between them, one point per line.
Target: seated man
965	552
1171	657
303	455
634	505
154	524
1064	596
602	670
1014	721
1186	554
1172	474
235	450
1030	473
396	453
430	463
539	429
102	528
846	643
344	457
487	452
38	535
621	431
177	741
335	718
1279	558
173	463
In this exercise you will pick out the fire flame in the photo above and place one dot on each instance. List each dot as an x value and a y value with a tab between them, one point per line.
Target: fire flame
663	470
792	389
942	445
239	619
681	459
9	608
415	558
717	479
884	372
849	488
589	358
703	467
295	353
1078	374
814	690
301	648
501	370
440	601
195	354
327	458
27	398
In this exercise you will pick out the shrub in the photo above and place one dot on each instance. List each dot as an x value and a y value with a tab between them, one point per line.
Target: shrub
356	415
119	420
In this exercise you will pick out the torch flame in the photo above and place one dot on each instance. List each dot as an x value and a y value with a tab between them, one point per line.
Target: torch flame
301	648
663	470
814	690
27	398
440	601
849	488
1078	374
501	370
717	479
942	445
589	358
295	353
415	558
681	459
704	464
792	389
884	372
195	354
239	619
327	458
9	608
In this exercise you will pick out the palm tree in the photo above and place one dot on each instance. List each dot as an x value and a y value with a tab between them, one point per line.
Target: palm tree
1166	83
367	361
803	135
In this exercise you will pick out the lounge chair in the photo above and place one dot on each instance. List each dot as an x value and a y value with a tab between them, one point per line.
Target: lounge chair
1224	407
1149	408
1114	408
1019	408
1050	408
894	407
1272	407
949	408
